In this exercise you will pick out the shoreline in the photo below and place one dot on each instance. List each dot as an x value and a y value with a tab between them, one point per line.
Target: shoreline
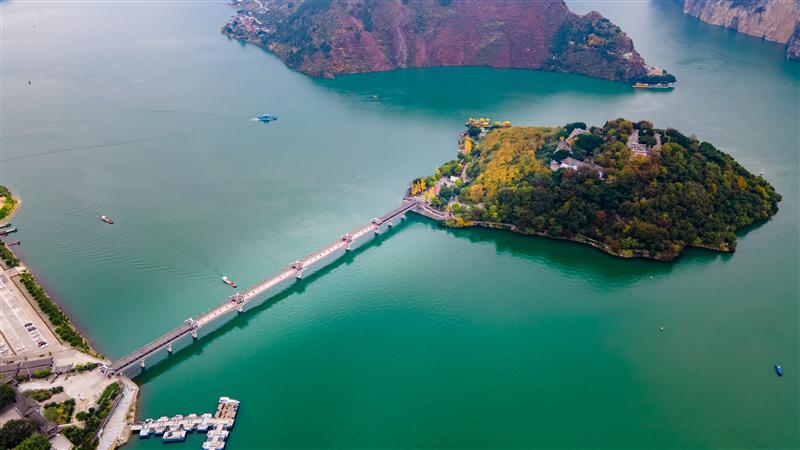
117	425
17	205
603	247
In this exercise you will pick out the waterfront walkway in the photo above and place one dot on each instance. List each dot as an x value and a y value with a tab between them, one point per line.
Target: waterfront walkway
241	300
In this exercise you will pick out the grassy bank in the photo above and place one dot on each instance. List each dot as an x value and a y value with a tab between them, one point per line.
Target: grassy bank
8	258
63	327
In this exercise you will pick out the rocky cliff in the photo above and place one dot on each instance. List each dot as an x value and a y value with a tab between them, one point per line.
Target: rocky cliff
793	45
774	20
330	37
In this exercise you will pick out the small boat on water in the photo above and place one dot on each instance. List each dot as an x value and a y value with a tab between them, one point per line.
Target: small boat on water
230	283
779	370
266	118
107	220
654	86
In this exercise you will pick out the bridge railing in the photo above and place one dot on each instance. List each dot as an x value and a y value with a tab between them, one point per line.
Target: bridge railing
153	346
169	337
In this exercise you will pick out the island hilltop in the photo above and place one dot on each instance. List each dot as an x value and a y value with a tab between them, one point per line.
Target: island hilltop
626	188
325	38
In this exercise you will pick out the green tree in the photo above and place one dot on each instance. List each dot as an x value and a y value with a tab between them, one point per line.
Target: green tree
15	431
7	395
34	442
571	126
560	155
589	142
647	140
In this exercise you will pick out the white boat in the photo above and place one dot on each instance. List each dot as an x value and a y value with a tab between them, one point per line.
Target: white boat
230	283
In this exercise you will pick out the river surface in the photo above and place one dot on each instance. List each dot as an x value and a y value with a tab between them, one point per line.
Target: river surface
428	337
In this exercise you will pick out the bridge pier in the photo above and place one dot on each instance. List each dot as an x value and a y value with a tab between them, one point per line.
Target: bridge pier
298	267
179	338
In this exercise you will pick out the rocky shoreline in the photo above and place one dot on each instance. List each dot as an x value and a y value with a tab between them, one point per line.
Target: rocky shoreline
773	20
326	39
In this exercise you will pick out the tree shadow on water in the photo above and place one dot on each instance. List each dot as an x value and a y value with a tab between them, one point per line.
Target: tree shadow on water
578	260
444	91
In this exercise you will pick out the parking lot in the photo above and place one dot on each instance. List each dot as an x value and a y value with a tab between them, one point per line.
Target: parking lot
22	331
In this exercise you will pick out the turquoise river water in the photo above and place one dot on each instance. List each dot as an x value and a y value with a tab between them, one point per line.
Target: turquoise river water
427	338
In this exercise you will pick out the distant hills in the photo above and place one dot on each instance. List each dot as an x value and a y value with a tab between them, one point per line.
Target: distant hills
325	38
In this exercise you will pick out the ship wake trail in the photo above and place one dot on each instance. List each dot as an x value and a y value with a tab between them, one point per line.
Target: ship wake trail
114	144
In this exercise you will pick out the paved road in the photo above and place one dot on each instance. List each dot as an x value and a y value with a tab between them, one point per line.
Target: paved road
115	432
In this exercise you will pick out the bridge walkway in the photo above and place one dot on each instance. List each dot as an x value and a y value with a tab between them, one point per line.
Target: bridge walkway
237	301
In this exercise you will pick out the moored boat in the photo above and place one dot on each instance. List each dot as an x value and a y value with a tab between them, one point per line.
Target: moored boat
229	282
654	85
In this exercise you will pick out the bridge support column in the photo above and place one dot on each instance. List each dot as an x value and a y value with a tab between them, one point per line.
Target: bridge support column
377	223
348	238
192	323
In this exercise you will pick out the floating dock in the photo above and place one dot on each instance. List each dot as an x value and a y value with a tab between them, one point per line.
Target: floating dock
174	429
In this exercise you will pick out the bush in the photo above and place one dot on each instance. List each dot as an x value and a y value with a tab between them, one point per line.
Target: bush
44	373
7	256
84	367
41	395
